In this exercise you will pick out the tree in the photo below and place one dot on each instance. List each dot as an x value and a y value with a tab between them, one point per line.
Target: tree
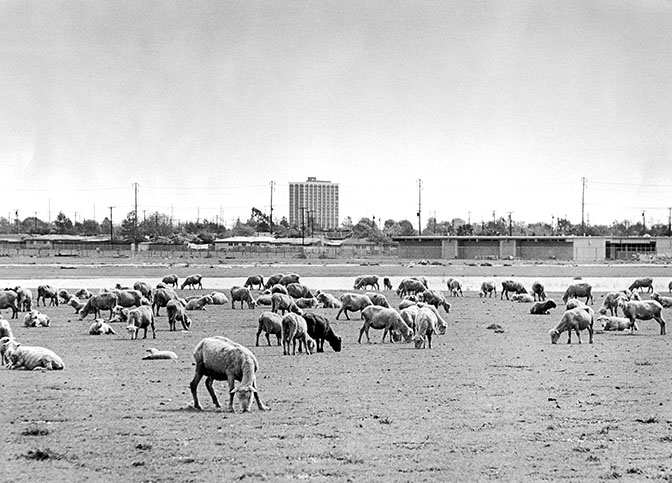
89	227
63	224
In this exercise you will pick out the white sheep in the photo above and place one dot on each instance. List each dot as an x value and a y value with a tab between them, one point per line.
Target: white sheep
295	328
383	318
427	324
328	301
270	323
76	304
35	318
155	354
219	358
576	319
100	327
198	304
642	310
410	314
31	358
5	329
218	298
611	323
6	342
525	298
666	302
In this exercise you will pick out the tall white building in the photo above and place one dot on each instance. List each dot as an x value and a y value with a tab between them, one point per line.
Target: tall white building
314	200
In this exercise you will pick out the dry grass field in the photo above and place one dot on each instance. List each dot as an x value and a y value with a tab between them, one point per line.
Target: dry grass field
478	406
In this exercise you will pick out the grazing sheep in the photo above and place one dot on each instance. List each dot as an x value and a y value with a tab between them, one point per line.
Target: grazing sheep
8	300
320	330
387	285
410	314
199	303
306	303
642	283
610	303
218	359
289	278
298	290
511	286
610	323
383	318
328	301
45	292
378	299
277	288
161	298
273	280
426	325
140	318
411	286
218	298
145	289
83	293
576	319
577	290
30	358
130	298
100	327
176	312
193	281
265	299
539	291
666	302
543	308
525	298
295	328
254	281
170	280
271	324
408	301
365	281
242	294
642	310
284	303
435	298
105	301
24	299
353	302
155	354
487	289
35	318
454	287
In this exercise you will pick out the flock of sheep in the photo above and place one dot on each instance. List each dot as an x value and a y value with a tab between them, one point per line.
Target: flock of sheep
417	319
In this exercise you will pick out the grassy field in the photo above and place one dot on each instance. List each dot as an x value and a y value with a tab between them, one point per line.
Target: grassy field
479	406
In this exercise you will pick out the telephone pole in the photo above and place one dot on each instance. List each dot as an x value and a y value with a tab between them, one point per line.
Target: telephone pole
272	187
111	229
135	211
419	207
583	204
669	222
510	224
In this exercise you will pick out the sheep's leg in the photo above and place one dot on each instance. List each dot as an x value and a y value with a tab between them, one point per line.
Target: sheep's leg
384	334
193	386
211	390
569	335
429	340
231	382
153	329
590	334
278	337
578	333
661	322
364	328
268	339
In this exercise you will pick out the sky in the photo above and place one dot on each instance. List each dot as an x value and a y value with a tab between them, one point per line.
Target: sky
497	106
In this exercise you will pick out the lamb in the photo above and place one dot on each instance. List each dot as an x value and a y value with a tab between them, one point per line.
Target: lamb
365	281
387	285
543	308
295	328
511	286
140	318
155	354
378	299
30	358
353	302
218	298
100	327
242	294
383	318
76	304
271	324
328	301
576	319
666	302
35	318
610	323
642	310
576	290
170	280
306	303
539	291
176	312
525	298
284	303
487	288
45	292
642	283
199	303
193	281
219	358
254	281
320	330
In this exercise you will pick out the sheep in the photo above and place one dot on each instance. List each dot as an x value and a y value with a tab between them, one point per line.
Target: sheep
254	281
525	298
65	296
611	323
408	301
5	329
176	312
642	310
543	308
83	293
30	358
193	281
454	287
140	318
289	278
76	304
539	291
298	290
271	324
277	288
487	288
130	298
610	303
378	299
383	318
265	299
161	298
218	298
364	281
435	298
576	290
100	327
410	314
170	280
426	322
105	301
669	287
273	280
242	294
511	286
576	319
328	301
45	292
35	318
8	299
642	283
387	285
353	303
155	354
306	303
320	330
24	299
295	328
199	303
284	303
219	358
666	302
574	303
410	286
145	289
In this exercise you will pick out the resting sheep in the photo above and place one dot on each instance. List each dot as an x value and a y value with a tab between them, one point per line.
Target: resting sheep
642	310
525	298
83	293
328	301
295	328
383	318
271	324
218	298
320	330
306	303
35	318
100	327
218	359
543	308
30	358
265	299
155	354
199	303
576	320
353	302
298	290
511	286
610	323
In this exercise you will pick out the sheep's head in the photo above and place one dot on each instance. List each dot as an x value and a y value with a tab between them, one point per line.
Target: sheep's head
252	303
244	393
335	343
419	341
555	335
310	345
408	334
446	306
655	296
295	308
551	304
132	329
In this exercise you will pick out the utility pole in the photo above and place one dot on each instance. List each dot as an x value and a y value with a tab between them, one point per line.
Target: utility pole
669	222
111	227
583	204
419	207
272	187
643	222
135	211
469	218
510	224
303	227
16	212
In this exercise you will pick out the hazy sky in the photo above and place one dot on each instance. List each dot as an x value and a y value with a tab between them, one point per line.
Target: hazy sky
499	106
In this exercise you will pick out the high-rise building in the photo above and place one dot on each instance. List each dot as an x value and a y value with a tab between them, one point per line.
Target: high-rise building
313	201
